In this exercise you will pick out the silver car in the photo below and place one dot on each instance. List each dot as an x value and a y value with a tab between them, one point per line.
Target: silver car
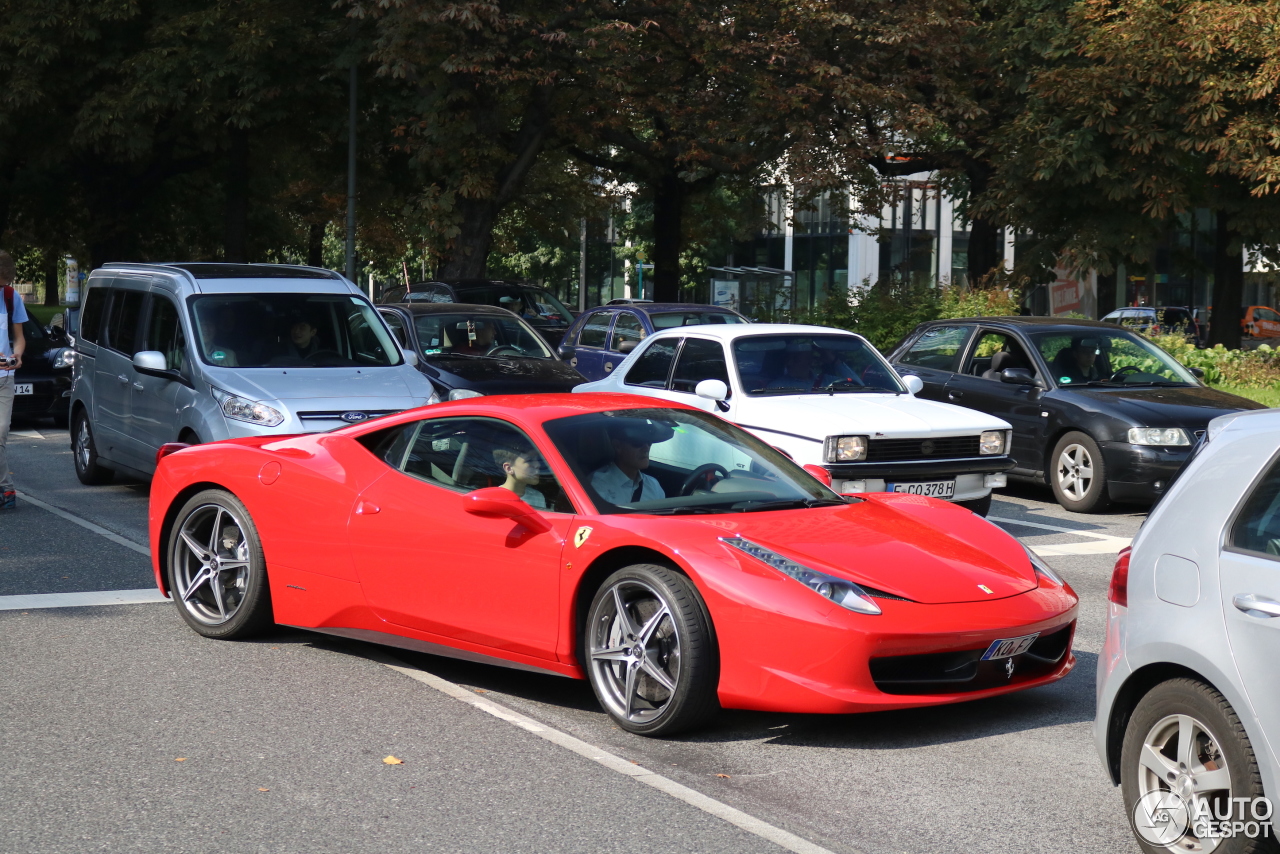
1188	718
199	352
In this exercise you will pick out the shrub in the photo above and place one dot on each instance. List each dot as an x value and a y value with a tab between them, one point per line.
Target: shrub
1258	368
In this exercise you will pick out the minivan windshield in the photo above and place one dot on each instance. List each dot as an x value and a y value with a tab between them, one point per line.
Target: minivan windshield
278	330
812	364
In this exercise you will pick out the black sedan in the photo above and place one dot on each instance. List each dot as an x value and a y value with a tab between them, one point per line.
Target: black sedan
1098	412
43	383
473	350
534	303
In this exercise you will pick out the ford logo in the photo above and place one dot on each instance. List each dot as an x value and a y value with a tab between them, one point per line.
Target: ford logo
354	417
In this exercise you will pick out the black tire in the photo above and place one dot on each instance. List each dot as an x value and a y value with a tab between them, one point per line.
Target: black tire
217	575
1078	474
85	454
679	646
981	506
1217	737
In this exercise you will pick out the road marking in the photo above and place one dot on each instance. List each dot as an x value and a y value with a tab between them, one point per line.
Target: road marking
1105	544
85	523
719	809
35	601
27	434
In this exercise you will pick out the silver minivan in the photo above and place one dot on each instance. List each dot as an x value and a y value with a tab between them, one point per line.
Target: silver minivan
199	352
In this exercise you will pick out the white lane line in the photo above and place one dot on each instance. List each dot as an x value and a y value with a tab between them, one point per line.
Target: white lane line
736	817
85	523
35	601
1104	544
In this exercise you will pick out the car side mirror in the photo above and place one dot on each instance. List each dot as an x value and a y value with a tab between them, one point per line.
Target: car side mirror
500	501
1198	373
152	363
818	472
411	358
564	351
1017	376
627	346
712	389
914	384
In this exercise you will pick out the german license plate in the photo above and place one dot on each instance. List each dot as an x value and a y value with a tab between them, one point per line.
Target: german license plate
933	488
1009	647
23	388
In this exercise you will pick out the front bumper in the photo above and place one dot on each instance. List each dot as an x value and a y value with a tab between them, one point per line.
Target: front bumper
48	397
970	474
1141	473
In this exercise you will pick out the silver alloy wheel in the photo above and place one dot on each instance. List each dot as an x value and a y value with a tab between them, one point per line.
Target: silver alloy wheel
1075	471
83	443
211	564
634	648
1180	755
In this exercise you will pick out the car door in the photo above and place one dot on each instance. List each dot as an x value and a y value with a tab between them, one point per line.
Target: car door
650	373
113	373
977	386
627	329
1249	575
157	401
934	356
396	323
592	346
426	563
699	359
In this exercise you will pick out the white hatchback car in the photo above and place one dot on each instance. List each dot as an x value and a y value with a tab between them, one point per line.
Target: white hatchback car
1188	718
825	397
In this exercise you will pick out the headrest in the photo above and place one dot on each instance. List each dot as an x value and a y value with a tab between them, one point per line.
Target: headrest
1086	344
1005	360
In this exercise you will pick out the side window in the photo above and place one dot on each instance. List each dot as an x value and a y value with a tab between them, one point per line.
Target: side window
699	360
465	454
626	328
396	324
938	348
395	294
1257	528
994	353
164	332
596	330
122	321
91	315
654	365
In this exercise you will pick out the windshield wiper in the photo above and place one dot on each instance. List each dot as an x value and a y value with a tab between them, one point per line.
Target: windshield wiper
785	503
467	356
848	386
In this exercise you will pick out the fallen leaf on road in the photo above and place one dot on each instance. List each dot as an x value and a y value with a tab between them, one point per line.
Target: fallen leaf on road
391	760
480	690
264	790
724	776
181	759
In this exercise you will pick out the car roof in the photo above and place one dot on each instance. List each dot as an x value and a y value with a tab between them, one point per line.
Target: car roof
1028	322
731	331
418	308
238	278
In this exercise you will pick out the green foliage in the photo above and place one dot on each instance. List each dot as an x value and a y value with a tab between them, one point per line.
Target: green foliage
1247	369
977	302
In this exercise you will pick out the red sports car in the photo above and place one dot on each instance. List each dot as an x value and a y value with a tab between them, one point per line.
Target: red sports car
674	560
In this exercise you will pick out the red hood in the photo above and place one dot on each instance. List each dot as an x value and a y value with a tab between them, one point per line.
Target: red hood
922	549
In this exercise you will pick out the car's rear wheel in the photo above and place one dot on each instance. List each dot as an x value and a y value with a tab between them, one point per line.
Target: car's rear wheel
217	574
1078	474
85	453
1185	754
650	651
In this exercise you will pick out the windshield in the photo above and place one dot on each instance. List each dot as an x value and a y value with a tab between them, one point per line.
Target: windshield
534	304
478	335
291	331
812	364
1096	356
672	319
673	461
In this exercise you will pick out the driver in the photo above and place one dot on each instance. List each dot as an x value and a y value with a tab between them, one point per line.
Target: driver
623	481
304	338
1079	362
521	466
474	336
210	321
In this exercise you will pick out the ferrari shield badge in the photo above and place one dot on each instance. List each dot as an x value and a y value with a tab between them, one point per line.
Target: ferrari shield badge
581	537
984	588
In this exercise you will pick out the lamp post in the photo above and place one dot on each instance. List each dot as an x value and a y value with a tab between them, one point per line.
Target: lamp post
351	179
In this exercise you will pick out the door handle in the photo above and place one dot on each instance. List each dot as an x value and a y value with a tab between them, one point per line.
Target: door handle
364	508
1256	605
122	379
137	387
955	395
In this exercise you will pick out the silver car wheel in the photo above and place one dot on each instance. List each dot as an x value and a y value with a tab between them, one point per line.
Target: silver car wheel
211	564
84	445
1180	755
634	648
1075	471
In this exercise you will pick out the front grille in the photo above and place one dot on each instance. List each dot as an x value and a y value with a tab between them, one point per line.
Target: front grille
964	671
897	450
336	414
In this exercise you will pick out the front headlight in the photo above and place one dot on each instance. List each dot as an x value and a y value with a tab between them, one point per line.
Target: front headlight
1042	569
241	409
66	358
844	593
845	449
435	398
992	442
1158	436
463	394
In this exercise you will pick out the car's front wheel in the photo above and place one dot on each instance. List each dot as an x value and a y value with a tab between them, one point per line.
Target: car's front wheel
1186	757
1078	474
85	453
650	651
217	574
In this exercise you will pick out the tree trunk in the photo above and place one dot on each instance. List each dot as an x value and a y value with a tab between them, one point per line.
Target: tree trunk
469	257
669	196
985	250
315	244
50	277
237	192
1228	286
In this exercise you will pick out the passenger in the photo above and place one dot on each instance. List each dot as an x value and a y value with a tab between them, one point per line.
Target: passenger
474	337
210	327
797	369
521	466
623	481
1079	362
304	338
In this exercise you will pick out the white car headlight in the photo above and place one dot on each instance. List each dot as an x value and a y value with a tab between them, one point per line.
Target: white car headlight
1158	436
435	398
845	449
66	358
241	409
993	442
844	593
1043	569
463	394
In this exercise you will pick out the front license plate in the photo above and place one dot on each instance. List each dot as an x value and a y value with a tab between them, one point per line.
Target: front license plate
23	388
933	488
1009	647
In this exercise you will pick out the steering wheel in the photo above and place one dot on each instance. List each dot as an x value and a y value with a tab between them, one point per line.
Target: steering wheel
702	476
500	349
1118	376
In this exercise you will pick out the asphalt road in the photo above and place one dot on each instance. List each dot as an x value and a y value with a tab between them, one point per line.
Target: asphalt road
281	741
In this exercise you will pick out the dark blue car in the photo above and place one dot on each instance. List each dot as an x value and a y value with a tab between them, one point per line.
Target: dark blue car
601	338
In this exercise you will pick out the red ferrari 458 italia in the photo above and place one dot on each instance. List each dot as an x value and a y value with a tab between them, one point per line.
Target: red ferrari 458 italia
671	558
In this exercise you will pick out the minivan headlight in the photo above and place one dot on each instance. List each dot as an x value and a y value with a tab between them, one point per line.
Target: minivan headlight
845	449
1158	436
242	409
992	442
844	593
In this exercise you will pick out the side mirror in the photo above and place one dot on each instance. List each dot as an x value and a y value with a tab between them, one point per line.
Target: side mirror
1198	373
1017	376
499	501
411	358
914	384
712	390
564	351
627	346
152	363
818	472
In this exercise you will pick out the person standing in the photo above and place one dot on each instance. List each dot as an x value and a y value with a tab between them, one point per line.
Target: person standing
12	344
